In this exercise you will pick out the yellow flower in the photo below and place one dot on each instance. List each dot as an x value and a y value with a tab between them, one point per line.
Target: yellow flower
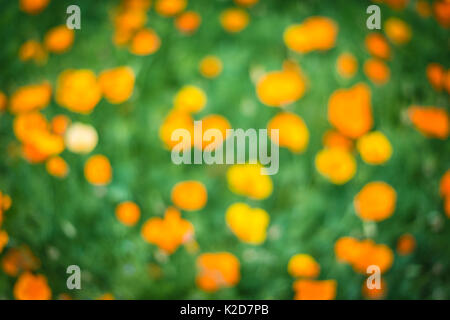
234	20
117	84
374	148
293	133
218	122
30	98
189	195
97	170
59	39
210	66
280	88
190	99
247	180
336	164
397	30
248	224
78	90
303	265
176	120
168	8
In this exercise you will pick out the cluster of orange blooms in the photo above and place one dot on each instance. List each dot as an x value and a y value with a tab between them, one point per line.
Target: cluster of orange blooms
306	268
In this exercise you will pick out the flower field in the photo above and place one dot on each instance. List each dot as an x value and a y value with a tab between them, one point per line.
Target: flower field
87	124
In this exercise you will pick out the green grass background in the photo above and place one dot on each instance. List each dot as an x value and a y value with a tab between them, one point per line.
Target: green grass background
71	222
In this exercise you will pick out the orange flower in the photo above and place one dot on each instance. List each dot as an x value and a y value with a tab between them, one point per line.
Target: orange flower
217	122
293	133
444	186
190	99
117	84
374	148
303	265
26	124
423	8
234	20
59	39
248	224
361	254
247	180
350	110
19	259
432	122
376	201
246	3
441	11
315	289
397	4
217	270
176	120
78	90
406	244
436	75
210	66
334	139
347	65
130	20
56	166
42	144
315	33
128	213
137	4
33	6
168	8
145	42
189	195
280	88
59	124
3	101
32	287
106	296
336	164
374	293
31	97
168	233
188	22
397	30
377	71
446	81
3	238
97	170
377	45
32	49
